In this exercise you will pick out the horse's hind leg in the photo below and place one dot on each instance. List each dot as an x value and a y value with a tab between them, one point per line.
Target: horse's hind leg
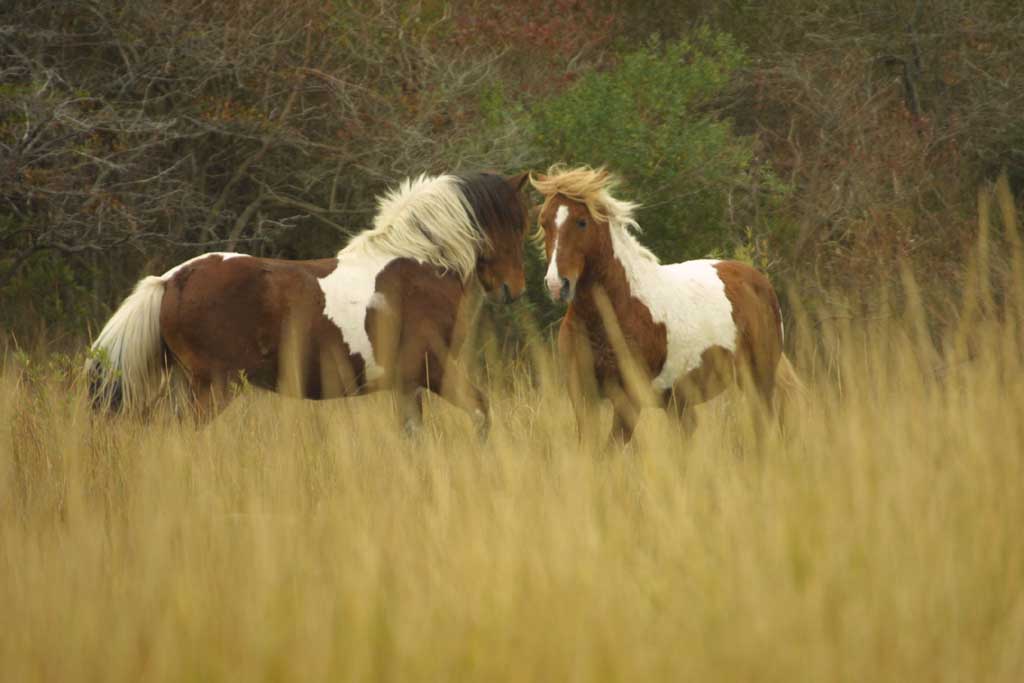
765	385
685	414
622	430
758	383
210	396
712	377
764	366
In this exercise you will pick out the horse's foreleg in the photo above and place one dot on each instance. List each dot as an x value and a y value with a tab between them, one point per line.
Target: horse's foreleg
626	414
578	400
458	390
580	380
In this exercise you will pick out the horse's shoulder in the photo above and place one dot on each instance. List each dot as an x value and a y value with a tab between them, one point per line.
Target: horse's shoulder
424	279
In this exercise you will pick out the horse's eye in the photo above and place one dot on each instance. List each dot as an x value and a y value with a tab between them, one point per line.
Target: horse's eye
581	223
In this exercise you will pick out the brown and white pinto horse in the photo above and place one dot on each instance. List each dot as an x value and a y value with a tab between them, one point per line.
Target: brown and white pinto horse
386	313
689	329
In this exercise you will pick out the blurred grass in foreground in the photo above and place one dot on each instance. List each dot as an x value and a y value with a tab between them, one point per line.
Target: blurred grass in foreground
877	538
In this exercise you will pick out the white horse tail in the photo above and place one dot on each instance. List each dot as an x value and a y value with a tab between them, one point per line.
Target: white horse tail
126	358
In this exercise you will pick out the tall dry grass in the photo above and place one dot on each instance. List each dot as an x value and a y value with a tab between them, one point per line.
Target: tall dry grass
878	537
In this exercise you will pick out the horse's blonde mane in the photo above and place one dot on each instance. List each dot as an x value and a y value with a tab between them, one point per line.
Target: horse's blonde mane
593	187
427	219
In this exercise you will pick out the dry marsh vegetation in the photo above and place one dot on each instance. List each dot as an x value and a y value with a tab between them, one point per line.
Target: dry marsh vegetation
876	538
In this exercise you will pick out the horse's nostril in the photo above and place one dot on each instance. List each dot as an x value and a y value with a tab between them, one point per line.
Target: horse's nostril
565	289
506	292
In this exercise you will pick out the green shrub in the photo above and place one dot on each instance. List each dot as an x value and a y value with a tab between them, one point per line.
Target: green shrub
652	121
46	291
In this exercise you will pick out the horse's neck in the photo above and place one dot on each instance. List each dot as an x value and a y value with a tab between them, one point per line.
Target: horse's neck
616	273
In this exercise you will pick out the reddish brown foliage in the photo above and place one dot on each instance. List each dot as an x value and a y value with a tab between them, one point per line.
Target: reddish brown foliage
552	37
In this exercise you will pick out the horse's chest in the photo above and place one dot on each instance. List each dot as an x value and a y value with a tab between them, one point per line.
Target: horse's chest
644	338
350	291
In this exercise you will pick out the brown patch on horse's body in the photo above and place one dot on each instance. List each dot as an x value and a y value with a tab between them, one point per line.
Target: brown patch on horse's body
646	338
222	318
758	319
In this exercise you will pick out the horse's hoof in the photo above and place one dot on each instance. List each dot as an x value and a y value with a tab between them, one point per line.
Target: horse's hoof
412	428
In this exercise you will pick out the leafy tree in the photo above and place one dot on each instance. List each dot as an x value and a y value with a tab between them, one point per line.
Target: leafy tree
133	136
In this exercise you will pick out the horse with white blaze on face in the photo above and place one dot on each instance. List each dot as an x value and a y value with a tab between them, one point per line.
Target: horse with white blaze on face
675	335
387	312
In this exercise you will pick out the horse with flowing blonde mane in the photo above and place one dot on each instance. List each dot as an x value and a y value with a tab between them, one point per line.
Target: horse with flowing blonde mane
641	332
384	313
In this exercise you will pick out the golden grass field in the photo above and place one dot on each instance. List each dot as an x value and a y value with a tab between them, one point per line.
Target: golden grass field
879	536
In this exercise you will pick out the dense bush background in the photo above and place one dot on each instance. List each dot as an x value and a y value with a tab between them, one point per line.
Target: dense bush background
827	142
651	119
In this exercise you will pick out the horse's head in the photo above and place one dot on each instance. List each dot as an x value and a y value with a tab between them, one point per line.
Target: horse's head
501	212
576	222
572	237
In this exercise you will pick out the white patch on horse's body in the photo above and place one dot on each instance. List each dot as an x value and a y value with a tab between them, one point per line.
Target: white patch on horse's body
551	278
688	298
560	215
379	302
224	255
349	292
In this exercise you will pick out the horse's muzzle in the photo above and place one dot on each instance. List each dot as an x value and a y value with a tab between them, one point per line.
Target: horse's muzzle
507	296
503	294
561	290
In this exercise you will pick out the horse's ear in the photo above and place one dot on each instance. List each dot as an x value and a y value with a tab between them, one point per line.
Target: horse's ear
518	180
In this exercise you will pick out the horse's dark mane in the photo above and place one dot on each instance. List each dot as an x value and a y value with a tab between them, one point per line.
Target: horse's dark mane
495	204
